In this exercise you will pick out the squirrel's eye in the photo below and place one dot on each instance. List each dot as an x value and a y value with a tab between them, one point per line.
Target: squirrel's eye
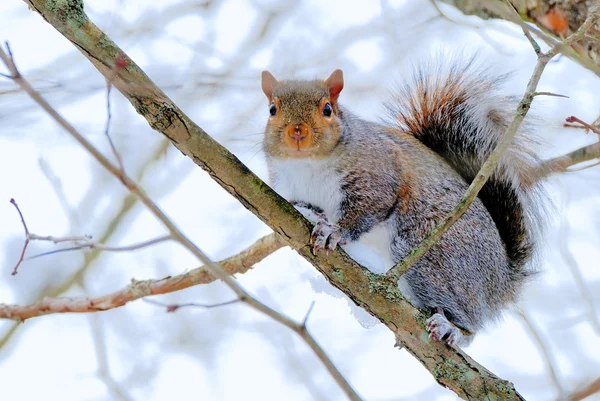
272	109
327	110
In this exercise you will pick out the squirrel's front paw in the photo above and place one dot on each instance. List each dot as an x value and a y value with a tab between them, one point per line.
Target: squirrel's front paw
325	236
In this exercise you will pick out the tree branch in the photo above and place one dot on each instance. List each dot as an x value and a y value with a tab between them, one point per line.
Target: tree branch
81	241
239	263
377	294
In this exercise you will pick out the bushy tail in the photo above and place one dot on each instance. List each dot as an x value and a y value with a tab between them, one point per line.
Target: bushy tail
458	112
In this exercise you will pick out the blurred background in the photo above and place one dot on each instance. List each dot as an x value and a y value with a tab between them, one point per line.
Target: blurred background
207	56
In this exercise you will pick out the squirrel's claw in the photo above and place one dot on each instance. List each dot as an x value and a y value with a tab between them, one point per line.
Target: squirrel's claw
325	236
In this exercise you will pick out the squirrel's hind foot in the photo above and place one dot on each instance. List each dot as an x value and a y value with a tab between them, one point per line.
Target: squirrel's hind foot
440	329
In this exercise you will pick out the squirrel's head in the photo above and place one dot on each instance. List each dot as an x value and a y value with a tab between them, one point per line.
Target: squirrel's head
303	116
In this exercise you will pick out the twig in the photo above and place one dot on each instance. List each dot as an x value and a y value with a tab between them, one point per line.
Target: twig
310	308
88	244
83	241
127	202
174	307
237	264
120	63
573	119
549	94
492	161
27	239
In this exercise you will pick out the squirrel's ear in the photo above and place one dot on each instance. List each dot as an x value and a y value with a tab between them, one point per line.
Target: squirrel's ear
335	84
268	82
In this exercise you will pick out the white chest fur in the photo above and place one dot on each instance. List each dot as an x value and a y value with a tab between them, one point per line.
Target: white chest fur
307	180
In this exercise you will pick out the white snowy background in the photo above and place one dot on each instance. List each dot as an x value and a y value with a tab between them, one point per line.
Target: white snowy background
207	56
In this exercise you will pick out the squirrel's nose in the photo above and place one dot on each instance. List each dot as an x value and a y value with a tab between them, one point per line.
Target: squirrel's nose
298	135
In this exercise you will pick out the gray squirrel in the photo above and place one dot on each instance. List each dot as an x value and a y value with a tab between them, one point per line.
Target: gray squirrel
387	185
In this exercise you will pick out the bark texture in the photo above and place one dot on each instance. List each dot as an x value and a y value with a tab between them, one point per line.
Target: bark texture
377	294
557	18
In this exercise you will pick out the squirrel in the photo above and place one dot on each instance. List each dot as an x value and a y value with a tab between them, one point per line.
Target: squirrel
388	184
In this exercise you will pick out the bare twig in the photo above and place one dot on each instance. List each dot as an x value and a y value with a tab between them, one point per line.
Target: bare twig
237	264
310	308
120	63
549	94
573	119
86	243
516	18
492	161
174	307
82	241
585	54
27	239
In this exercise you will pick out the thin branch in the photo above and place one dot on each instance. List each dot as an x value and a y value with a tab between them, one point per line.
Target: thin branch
573	119
574	170
492	161
237	264
516	18
120	63
86	243
83	241
27	239
310	308
174	307
549	94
